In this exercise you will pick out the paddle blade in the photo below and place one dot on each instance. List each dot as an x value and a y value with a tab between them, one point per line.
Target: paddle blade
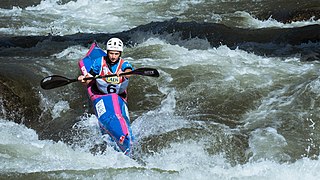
55	81
146	72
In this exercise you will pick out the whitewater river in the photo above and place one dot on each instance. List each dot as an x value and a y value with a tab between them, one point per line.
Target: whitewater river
237	98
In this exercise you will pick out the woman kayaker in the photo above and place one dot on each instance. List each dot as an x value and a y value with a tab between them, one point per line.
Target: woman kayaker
110	64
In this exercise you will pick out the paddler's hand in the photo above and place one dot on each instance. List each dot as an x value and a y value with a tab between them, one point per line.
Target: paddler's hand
127	76
80	78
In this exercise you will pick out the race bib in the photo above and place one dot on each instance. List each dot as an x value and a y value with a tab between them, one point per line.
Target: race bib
108	88
113	80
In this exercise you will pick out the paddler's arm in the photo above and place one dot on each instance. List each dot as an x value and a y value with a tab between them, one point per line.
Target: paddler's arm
126	67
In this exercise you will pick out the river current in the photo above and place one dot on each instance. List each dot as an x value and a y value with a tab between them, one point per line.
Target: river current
237	97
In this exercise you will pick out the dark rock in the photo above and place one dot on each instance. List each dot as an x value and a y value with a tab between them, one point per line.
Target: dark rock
176	33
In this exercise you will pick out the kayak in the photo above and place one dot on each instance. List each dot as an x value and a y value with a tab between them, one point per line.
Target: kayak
110	109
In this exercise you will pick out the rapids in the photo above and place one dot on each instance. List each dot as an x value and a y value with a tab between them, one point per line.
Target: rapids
237	97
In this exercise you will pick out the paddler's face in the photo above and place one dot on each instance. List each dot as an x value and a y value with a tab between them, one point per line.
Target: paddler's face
113	55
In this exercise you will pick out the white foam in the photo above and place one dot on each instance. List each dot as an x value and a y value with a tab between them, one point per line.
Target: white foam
87	16
230	63
25	153
266	143
73	52
58	108
192	162
254	23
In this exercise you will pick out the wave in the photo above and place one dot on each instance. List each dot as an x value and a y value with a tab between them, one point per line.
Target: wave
265	41
222	106
211	11
25	156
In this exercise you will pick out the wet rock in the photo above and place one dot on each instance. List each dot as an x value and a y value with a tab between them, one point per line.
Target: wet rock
173	32
287	11
8	4
17	103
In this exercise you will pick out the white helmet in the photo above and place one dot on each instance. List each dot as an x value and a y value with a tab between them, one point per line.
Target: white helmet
114	44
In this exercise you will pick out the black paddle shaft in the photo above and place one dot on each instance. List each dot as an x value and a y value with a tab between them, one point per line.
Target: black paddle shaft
55	81
140	71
